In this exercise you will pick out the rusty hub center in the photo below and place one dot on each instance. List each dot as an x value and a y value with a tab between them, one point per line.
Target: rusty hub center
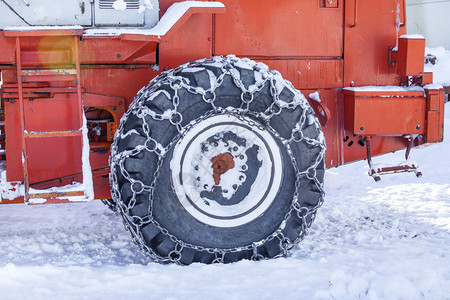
220	164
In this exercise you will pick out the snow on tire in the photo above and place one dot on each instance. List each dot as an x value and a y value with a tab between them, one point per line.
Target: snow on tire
216	161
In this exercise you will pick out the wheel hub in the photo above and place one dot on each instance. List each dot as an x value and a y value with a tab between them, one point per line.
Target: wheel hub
221	164
225	172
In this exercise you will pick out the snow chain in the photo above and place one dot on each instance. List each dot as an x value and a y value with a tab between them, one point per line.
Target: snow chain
137	108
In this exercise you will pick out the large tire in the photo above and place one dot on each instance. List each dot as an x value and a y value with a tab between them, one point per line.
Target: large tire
217	161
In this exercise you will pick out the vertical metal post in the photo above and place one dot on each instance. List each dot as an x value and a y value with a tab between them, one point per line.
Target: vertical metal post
76	46
78	68
22	119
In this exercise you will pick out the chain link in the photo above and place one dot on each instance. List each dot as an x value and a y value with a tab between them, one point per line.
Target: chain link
176	82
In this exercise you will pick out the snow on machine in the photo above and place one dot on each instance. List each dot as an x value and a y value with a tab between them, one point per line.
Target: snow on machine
204	123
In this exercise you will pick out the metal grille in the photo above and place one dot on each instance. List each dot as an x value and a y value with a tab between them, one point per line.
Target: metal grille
108	4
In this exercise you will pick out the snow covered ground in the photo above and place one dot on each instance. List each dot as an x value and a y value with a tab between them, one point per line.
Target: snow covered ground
386	240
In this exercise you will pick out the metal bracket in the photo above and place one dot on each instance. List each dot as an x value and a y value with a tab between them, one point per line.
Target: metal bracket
406	166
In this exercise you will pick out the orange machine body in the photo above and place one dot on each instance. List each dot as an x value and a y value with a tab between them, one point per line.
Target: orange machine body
329	47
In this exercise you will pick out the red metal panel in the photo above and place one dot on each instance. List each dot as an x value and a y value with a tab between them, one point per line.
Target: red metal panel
32	57
432	128
288	28
370	29
117	81
435	116
6	49
411	55
330	100
13	135
427	78
58	50
370	114
310	73
433	100
51	158
108	50
353	147
193	40
102	189
58	113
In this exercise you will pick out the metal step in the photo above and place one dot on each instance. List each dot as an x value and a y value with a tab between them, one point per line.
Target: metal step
59	133
13	90
59	194
49	75
48	72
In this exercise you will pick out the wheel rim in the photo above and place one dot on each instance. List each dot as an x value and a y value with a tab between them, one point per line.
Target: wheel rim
226	171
